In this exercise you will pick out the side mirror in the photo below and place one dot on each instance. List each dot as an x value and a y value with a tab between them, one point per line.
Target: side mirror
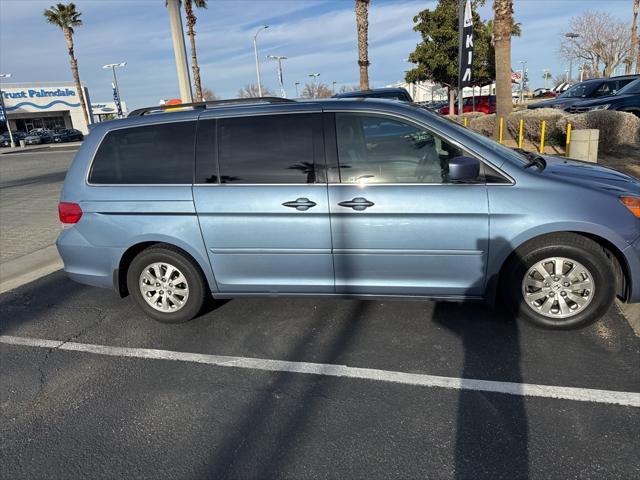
464	169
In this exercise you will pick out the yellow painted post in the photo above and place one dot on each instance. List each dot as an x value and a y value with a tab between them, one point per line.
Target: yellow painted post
520	133
566	148
544	127
465	121
501	127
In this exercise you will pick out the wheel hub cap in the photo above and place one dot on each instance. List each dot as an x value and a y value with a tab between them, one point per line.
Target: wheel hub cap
164	287
558	287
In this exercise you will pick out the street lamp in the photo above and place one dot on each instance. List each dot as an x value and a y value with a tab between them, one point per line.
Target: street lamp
255	52
4	112
279	58
315	83
572	37
333	86
522	73
297	83
113	67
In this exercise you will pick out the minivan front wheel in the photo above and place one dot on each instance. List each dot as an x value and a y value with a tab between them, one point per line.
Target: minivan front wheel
166	284
560	281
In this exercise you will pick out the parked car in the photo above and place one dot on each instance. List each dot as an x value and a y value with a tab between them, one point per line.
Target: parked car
544	93
589	89
66	135
627	99
36	137
358	198
389	93
434	105
5	139
482	103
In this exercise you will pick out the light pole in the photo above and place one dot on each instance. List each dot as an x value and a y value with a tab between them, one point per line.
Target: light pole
333	87
522	73
255	53
297	94
315	83
572	37
113	67
545	75
4	112
179	50
279	58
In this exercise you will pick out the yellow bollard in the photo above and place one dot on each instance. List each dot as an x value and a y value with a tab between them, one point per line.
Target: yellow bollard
568	144
544	127
501	127
520	133
465	121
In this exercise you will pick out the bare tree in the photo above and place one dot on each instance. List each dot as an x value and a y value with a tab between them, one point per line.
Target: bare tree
208	95
349	88
634	40
362	25
602	40
316	90
251	91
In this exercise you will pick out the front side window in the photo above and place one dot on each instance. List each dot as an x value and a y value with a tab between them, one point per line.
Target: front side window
376	149
151	154
269	149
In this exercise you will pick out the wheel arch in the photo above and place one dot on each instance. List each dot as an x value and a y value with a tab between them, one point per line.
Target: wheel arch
613	251
120	273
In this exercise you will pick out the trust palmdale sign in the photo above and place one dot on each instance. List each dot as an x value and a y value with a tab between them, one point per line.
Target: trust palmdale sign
40	93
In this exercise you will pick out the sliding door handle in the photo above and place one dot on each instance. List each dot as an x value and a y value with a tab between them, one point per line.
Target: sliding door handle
357	203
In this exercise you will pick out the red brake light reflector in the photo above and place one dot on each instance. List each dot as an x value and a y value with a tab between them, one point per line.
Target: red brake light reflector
69	212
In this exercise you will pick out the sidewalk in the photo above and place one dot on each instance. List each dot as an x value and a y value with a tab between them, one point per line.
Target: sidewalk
40	148
28	268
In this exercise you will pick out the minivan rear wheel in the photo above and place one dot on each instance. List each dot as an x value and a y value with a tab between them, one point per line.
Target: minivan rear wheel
560	281
166	284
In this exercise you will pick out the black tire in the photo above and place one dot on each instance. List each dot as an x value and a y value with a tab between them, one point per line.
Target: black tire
198	290
571	246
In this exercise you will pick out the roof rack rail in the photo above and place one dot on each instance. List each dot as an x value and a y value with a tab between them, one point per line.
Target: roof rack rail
213	103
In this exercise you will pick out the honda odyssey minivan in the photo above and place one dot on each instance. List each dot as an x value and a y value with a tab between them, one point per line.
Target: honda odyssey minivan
346	198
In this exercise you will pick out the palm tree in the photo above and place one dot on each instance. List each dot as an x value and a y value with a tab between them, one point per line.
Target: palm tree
362	24
66	17
191	22
502	30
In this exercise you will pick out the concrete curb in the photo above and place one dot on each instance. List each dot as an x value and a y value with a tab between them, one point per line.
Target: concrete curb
28	268
41	148
631	311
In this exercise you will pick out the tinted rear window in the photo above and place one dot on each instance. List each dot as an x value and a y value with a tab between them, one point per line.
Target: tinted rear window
269	148
153	154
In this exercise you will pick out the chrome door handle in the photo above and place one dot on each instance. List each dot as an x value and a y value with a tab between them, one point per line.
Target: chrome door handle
300	204
357	203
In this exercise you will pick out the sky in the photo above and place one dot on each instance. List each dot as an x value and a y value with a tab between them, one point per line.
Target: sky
317	36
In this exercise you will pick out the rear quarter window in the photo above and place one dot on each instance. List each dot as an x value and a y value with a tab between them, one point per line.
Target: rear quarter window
150	154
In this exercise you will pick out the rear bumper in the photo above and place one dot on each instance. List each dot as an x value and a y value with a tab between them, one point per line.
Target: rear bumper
86	263
632	254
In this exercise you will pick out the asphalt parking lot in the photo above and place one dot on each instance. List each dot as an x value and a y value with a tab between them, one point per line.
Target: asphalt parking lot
118	395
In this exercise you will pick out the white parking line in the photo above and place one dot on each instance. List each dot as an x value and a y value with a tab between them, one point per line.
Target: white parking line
630	399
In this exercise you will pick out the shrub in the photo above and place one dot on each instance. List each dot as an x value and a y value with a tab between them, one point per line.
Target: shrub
616	128
483	124
532	126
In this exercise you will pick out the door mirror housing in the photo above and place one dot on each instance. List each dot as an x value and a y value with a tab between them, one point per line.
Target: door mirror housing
464	169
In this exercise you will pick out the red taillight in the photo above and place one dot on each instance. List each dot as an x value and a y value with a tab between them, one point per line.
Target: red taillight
69	212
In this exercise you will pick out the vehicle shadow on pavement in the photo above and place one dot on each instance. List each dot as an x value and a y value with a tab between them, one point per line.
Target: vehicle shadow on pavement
491	429
241	450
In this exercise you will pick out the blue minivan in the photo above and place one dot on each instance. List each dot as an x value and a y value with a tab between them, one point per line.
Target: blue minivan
346	198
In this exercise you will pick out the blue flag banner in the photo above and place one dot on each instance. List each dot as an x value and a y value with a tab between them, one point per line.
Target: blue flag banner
116	100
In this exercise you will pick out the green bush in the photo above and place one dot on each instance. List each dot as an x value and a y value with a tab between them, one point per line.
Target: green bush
616	128
532	126
483	124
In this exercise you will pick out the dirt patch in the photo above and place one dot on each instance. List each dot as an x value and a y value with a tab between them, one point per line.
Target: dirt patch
626	159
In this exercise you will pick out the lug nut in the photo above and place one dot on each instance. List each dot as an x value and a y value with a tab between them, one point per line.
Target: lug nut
157	284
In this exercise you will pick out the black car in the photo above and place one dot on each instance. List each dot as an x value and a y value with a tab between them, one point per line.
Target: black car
386	93
587	90
626	99
66	135
5	140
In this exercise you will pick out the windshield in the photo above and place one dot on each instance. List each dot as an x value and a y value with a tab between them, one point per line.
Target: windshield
633	87
580	90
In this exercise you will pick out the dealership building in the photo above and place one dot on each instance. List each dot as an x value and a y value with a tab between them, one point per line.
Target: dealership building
44	105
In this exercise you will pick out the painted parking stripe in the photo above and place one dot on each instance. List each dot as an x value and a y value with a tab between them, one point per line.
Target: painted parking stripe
631	399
